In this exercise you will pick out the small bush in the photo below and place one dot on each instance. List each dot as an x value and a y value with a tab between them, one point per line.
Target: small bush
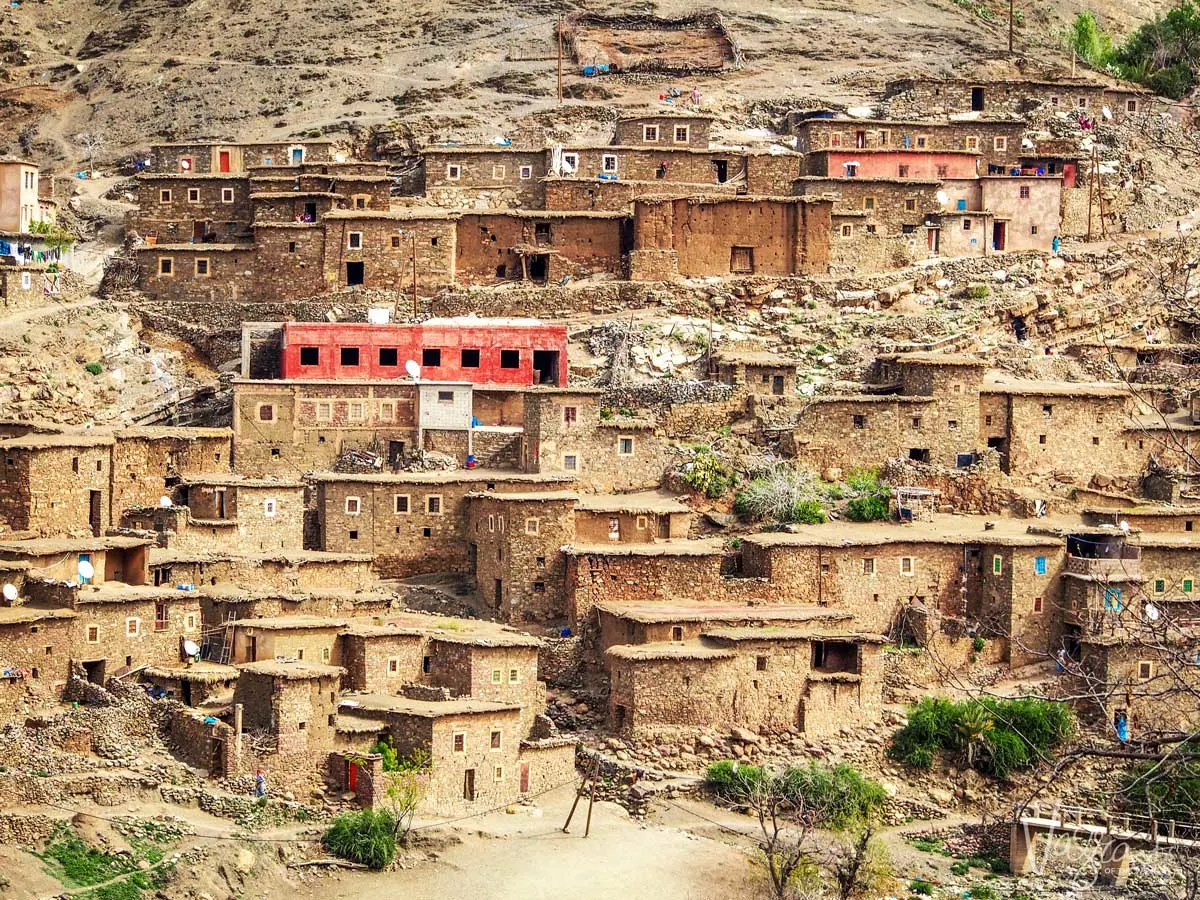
960	867
93	368
708	474
978	292
840	795
921	887
978	644
367	837
783	495
984	892
869	508
731	779
806	512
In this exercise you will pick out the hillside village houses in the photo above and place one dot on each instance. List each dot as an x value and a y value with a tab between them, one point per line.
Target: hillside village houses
256	575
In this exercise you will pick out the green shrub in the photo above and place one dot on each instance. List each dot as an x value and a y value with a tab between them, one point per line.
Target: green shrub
367	837
94	368
984	892
978	644
806	512
869	508
960	867
921	887
731	779
708	474
978	291
864	481
844	797
782	494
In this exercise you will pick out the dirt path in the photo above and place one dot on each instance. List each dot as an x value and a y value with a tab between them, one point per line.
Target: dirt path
527	857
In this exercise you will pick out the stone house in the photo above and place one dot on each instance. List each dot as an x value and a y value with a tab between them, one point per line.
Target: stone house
194	683
56	484
238	158
375	248
695	237
293	571
568	192
1150	518
239	514
202	208
198	273
679	129
35	643
1009	97
755	371
542	246
299	637
998	140
893	163
118	558
19	207
484	177
120	627
147	461
410	522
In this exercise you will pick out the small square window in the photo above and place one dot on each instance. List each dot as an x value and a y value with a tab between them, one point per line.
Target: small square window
859	421
847	231
1039	565
1187	585
269	507
453	172
943	171
1041	439
966	224
393	667
395	242
908	565
972	143
650	133
433	504
1024	192
93	634
514	676
202	268
532	525
1033	229
1131	106
682	134
910	205
310	356
868	203
1145	670
498	173
760	664
497	676
1160	586
495	740
469	359
498	773
164	196
997	564
401	505
922	140
226	195
354	240
570	462
353	534
133	627
1037	604
526	172
570	415
868	565
166	265
353	506
1112	599
193	195
625	446
510	359
539	587
608	162
460	742
999	143
431	356
902	171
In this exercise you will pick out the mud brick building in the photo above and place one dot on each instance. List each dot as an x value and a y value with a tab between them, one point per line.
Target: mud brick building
148	460
299	637
540	245
237	158
195	207
998	141
411	523
886	163
755	371
293	571
487	177
123	559
120	627
56	484
35	641
693	237
673	129
1008	97
372	248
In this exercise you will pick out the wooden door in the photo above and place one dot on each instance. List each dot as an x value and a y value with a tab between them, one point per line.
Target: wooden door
524	778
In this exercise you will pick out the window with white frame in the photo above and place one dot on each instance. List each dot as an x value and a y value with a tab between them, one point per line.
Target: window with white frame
453	172
650	134
608	162
682	134
571	162
498	173
166	266
26	281
353	506
401	504
532	525
570	462
354	240
226	195
433	504
387	411
189	622
269	507
526	172
133	627
514	676
203	267
324	412
193	195
356	411
393	667
164	196
908	565
625	445
999	143
973	143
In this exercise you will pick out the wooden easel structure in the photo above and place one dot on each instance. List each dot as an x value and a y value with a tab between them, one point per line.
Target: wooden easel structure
1095	195
587	786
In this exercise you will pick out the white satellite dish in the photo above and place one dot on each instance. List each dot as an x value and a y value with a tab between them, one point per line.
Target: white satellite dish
191	648
1152	612
942	198
164	501
86	569
413	369
10	592
1124	526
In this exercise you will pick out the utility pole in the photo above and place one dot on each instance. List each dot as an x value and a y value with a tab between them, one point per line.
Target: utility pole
558	30
1010	27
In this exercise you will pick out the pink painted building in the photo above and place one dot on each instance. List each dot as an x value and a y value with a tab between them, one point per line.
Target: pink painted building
880	163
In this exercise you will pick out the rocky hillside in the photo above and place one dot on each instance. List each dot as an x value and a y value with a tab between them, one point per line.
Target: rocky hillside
132	72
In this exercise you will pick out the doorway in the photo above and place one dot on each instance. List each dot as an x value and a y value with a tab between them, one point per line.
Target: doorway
1000	445
94	669
310	212
777	385
499	593
354	273
976	99
94	518
252	649
185	689
223	161
999	232
935	240
395	454
469	784
219	503
539	267
297	155
545	366
524	778
199	230
721	166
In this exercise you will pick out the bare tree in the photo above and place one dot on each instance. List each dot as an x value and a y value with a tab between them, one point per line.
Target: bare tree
92	143
787	824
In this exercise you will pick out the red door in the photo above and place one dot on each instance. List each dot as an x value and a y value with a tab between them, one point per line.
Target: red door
524	778
1069	175
351	776
223	161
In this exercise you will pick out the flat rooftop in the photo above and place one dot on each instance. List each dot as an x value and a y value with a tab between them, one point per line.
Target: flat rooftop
944	529
638	503
291	623
704	547
160	556
223	480
735	635
426	709
669	650
442	628
55	546
24	615
291	669
449	476
658	613
203	672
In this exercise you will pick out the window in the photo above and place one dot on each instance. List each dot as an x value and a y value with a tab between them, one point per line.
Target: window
93	634
193	195
324	414
1054	99
514	676
1145	670
393	667
395	242
1112	599
202	268
355	411
1024	192
922	141
1037	604
1160	585
349	356
870	229
868	565
353	506
469	359
1130	106
1039	565
999	143
972	143
910	205
608	162
310	356
226	195
164	196
859	421
847	231
682	134
495	742
997	564
460	742
1033	229
916	422
908	565
1187	585
884	138
453	172
532	525
570	462
942	171
166	265
426	664
510	359
966	224
625	446
1083	102
400	504
431	356
498	773
570	415
650	134
902	171
360	202
354	240
526	172
498	173
760	664
868	202
835	139
1041	439
269	507
133	627
570	162
433	504
189	622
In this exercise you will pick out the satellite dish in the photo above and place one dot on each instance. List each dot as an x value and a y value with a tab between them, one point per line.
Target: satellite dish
10	592
1152	612
942	198
191	648
86	570
413	369
1124	526
164	501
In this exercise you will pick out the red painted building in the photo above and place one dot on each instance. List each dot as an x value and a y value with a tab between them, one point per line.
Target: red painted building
869	163
482	351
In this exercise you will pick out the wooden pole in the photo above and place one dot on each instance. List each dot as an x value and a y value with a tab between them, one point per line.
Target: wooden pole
414	252
1091	193
558	30
587	828
1010	27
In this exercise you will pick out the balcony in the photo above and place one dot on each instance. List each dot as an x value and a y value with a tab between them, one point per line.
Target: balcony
1124	568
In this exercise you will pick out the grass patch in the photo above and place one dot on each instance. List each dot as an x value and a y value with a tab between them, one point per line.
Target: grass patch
367	837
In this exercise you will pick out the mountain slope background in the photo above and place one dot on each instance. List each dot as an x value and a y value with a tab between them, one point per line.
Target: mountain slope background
134	72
